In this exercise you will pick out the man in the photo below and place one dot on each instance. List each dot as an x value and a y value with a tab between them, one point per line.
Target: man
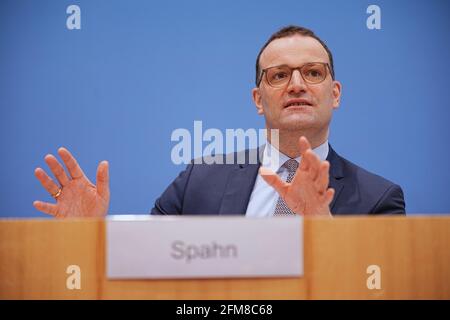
296	92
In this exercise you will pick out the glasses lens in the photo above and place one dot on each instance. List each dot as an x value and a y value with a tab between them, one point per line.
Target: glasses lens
314	72
278	76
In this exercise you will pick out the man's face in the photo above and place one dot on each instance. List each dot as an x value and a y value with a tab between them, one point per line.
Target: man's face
320	98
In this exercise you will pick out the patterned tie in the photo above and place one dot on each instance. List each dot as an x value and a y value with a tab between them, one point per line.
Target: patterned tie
281	209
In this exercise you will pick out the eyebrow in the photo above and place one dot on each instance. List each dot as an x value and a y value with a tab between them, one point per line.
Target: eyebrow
287	65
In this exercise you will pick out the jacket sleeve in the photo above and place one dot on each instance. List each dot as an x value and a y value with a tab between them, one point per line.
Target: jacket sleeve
391	202
171	201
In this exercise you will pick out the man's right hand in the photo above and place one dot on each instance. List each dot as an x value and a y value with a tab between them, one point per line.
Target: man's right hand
75	196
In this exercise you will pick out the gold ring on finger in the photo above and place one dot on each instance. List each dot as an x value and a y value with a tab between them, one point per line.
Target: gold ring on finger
57	193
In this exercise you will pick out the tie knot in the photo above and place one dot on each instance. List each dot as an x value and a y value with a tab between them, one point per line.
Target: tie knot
291	165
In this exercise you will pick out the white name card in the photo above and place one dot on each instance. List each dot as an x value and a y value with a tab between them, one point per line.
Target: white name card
141	247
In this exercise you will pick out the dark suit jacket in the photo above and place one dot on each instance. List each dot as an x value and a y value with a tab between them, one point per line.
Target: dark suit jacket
225	189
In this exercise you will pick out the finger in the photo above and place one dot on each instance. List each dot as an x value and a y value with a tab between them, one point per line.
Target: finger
304	164
46	181
304	145
45	207
313	164
103	179
71	163
329	195
57	169
274	181
322	180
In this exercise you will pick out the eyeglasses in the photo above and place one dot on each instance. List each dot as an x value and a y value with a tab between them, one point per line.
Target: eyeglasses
279	76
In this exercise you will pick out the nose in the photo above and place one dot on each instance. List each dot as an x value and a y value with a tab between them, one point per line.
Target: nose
297	84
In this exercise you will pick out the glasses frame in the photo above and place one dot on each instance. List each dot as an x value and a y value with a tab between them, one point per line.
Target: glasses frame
264	71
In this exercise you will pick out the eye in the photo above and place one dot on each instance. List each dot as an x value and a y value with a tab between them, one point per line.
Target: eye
314	73
279	75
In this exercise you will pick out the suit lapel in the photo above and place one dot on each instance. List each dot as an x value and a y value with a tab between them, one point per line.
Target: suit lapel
336	175
241	181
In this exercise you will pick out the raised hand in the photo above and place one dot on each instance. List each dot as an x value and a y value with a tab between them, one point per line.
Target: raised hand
75	196
308	193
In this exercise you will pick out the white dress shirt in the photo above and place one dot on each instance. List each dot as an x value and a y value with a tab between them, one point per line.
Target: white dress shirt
264	198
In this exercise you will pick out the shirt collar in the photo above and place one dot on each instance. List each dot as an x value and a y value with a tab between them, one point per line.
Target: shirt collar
272	154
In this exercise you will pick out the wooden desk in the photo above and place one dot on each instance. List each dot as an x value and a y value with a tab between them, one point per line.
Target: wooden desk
413	254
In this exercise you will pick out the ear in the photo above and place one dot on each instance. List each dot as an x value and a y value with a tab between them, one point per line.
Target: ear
337	91
256	94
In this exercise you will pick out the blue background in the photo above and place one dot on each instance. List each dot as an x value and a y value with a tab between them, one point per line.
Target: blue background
137	70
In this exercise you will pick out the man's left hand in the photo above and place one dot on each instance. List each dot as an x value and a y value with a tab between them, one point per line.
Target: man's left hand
308	193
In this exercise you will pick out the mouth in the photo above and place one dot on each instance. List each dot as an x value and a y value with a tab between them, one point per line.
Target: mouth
296	103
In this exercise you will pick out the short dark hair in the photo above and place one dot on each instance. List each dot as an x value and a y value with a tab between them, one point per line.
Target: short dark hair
289	31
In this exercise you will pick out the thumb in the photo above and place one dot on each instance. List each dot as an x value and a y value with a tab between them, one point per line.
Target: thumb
274	181
103	179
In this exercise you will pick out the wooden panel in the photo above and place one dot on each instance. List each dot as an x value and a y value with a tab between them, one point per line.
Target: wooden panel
413	254
206	289
34	256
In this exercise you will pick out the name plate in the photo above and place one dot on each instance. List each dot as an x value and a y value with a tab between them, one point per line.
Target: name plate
140	247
